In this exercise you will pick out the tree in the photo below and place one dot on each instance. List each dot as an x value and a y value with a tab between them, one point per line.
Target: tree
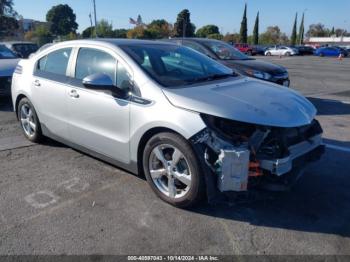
8	21
231	38
244	27
340	32
317	30
41	35
139	32
293	38
332	32
273	36
120	33
256	31
183	21
301	31
62	20
160	29
215	36
89	32
207	30
6	8
8	26
104	29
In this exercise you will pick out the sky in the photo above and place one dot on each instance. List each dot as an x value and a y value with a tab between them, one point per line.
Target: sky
226	14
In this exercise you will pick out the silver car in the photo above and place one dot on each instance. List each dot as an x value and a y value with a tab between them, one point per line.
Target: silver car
281	51
186	122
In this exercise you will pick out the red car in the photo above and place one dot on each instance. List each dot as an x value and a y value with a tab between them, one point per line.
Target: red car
245	48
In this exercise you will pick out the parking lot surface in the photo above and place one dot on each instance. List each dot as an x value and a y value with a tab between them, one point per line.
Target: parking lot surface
55	200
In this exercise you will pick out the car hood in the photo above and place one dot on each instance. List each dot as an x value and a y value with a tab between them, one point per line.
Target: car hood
258	65
8	66
246	100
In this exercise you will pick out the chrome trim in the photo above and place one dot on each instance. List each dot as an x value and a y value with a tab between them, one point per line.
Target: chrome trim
282	166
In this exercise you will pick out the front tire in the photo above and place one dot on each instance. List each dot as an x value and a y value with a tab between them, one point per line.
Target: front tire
173	170
268	54
29	121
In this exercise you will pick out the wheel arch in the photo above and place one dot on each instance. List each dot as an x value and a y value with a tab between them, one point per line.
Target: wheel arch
143	141
18	99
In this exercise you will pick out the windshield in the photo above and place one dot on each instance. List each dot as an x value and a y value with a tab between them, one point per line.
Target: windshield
6	53
225	51
173	66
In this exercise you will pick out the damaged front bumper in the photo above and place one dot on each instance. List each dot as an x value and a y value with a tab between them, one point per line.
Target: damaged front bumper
282	166
228	167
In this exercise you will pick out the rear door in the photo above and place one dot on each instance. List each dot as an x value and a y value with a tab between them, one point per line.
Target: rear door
49	87
97	120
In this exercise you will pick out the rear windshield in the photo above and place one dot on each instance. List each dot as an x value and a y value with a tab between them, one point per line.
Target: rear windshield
225	51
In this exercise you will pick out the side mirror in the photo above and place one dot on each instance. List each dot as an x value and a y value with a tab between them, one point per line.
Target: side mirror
102	82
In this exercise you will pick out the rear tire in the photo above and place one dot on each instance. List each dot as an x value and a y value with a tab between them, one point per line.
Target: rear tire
268	54
288	54
173	170
29	121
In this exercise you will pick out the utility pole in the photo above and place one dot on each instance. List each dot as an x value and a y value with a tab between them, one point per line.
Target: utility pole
94	3
91	26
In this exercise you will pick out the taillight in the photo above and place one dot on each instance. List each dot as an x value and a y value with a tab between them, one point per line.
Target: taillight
19	69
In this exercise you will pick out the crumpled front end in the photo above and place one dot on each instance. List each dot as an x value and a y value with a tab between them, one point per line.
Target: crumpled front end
241	156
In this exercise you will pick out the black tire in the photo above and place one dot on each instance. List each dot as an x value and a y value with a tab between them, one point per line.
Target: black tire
197	188
268	54
250	53
288	54
37	135
321	55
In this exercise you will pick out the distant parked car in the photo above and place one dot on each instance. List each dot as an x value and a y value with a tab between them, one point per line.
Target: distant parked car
304	50
22	49
331	51
229	56
259	49
245	48
8	63
281	51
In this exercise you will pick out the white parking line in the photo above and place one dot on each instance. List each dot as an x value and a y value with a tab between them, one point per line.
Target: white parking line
340	148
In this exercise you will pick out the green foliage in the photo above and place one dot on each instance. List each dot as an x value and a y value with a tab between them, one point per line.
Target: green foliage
301	31
139	32
273	36
216	36
293	38
207	30
89	32
104	29
332	32
255	39
244	27
231	38
120	33
6	8
160	29
62	20
317	30
184	17
41	35
8	26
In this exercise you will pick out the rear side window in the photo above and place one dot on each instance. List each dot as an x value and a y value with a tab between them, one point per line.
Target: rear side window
55	62
92	61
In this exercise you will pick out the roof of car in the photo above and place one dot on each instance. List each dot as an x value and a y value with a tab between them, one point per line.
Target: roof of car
117	41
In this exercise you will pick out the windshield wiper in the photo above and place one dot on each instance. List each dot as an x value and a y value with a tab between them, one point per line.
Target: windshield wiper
210	78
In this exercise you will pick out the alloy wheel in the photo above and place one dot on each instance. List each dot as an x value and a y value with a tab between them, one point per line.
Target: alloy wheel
27	120
169	170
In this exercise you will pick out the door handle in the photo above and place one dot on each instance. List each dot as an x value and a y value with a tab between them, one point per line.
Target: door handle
37	83
73	93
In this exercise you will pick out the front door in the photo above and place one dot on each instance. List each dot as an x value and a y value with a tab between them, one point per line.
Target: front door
97	120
